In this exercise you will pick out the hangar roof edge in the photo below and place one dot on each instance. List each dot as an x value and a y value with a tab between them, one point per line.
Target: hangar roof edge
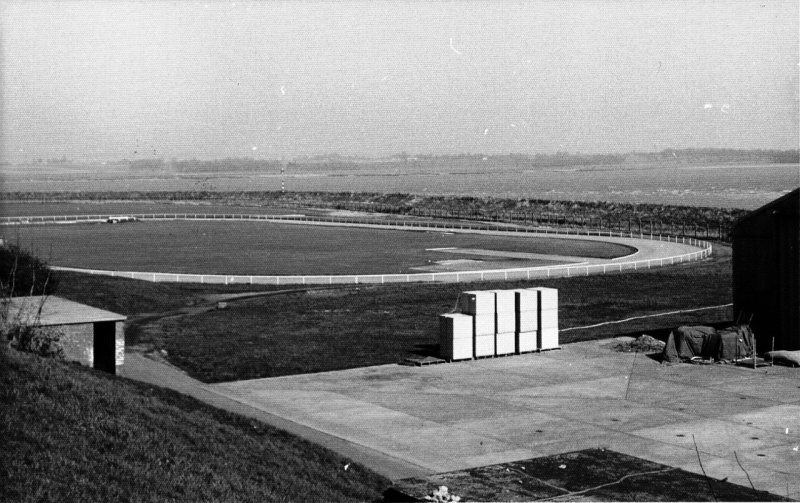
772	204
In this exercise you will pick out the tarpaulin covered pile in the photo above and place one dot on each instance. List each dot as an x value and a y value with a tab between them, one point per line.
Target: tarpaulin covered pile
685	343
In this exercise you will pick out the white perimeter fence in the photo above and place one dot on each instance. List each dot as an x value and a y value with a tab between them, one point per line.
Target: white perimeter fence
540	272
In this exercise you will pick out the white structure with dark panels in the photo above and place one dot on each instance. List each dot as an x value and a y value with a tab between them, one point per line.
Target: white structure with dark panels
505	323
480	305
456	336
91	336
499	323
547	318
526	313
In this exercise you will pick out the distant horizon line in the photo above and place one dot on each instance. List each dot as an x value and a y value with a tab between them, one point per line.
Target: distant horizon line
404	156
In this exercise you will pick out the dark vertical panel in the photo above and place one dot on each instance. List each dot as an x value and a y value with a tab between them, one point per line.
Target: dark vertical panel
788	264
105	346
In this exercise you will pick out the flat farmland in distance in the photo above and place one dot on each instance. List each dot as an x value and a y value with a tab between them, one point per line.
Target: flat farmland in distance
716	185
265	248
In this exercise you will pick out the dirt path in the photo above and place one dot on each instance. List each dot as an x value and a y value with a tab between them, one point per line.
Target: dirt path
148	325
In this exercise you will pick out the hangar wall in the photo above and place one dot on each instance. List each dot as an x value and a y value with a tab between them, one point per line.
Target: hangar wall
766	258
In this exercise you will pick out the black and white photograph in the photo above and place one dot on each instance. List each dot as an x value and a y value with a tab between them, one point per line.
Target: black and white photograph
399	250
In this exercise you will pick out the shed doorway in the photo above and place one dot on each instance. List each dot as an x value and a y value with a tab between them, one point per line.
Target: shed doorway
105	346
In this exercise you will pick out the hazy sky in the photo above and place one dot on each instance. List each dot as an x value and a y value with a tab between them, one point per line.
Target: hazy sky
114	79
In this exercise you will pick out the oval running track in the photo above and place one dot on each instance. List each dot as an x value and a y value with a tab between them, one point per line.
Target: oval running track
652	251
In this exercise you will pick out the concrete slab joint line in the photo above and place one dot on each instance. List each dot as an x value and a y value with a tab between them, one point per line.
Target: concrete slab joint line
509	409
704	252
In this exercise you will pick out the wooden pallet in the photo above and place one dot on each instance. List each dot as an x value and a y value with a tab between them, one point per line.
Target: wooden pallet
419	361
539	351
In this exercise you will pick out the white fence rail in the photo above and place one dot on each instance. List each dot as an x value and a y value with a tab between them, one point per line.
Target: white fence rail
540	272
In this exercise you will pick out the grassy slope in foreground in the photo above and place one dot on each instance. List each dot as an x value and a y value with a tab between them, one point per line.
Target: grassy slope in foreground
72	434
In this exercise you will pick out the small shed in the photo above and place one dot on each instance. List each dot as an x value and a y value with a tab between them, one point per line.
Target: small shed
766	257
91	336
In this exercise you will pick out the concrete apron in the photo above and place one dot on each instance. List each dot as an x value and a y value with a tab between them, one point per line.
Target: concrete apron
744	423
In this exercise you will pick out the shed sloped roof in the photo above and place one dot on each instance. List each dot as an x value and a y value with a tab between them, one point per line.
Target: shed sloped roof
785	209
56	311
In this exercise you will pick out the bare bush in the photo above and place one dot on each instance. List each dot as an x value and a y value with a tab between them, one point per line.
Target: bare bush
22	274
43	341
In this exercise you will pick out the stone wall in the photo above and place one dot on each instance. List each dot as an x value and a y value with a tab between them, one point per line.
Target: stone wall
78	342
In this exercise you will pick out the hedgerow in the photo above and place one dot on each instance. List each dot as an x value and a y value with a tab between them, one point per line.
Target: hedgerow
657	218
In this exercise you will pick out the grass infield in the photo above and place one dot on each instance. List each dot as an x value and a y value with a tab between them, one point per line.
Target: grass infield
265	248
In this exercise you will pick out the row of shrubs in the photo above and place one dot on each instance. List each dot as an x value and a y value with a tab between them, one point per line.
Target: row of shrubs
660	218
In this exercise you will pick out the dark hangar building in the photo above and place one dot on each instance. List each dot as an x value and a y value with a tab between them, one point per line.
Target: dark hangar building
766	257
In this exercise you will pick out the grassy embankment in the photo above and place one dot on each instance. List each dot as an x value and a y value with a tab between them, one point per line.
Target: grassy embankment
345	327
73	434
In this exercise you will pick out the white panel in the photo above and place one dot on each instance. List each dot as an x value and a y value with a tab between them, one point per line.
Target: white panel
548	338
477	302
457	349
484	345
548	298
455	336
504	301
455	326
506	322
463	349
526	300
484	324
505	343
527	341
527	321
548	319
